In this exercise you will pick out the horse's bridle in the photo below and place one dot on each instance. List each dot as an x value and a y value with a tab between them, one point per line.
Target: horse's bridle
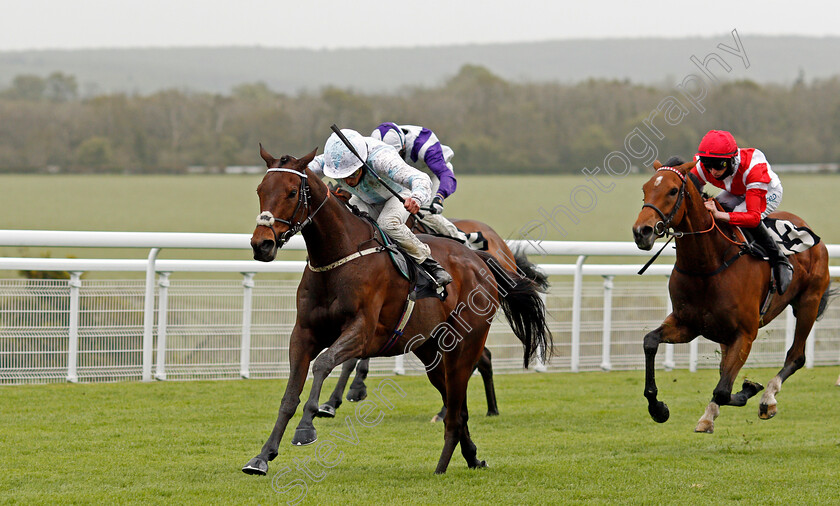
266	219
661	227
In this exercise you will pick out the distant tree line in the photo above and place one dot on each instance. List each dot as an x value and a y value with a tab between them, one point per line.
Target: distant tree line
494	126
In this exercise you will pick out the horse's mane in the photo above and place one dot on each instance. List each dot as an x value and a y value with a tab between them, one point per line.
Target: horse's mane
675	161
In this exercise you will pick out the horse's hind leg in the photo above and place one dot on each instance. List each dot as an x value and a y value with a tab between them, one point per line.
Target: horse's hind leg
734	357
485	368
358	390
328	408
806	314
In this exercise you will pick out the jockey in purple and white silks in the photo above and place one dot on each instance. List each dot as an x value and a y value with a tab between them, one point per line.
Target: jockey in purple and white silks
421	148
369	195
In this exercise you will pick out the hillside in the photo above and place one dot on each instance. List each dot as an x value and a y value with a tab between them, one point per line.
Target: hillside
649	61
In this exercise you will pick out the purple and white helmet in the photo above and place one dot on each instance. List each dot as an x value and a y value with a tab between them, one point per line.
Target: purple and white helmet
391	134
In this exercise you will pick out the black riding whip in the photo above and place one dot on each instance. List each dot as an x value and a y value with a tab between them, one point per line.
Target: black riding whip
349	145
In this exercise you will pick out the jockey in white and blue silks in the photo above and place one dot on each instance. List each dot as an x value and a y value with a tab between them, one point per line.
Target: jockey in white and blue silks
420	147
415	187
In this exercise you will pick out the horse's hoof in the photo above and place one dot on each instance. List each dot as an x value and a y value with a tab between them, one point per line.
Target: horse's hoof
766	412
436	418
492	413
659	412
304	437
357	395
325	411
256	466
479	464
705	426
752	387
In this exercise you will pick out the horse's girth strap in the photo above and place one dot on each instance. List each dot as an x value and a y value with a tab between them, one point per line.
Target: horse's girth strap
398	331
348	258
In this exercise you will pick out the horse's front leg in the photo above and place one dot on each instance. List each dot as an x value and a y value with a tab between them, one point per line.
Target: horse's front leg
328	408
348	345
669	332
734	356
301	350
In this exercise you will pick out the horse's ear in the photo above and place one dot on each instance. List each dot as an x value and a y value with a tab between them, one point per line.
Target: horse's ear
303	162
265	156
684	168
657	165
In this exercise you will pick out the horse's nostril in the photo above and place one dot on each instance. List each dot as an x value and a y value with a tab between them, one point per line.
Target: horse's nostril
647	230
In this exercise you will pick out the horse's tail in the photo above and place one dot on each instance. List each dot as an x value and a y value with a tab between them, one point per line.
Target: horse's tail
826	298
524	308
530	270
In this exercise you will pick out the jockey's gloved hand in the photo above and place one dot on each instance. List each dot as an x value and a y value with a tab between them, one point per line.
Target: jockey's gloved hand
436	207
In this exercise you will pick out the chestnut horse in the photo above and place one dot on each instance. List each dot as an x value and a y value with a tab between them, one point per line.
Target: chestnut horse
496	246
350	299
718	294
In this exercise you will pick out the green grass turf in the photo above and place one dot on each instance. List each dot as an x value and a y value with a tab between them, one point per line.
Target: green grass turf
561	439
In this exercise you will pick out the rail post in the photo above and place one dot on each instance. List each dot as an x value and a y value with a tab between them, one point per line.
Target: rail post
75	284
163	312
247	310
606	338
149	316
577	302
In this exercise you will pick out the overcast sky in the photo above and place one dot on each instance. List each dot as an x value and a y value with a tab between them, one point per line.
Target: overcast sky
71	24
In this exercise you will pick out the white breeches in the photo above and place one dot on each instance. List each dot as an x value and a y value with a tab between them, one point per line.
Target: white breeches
391	216
737	202
440	225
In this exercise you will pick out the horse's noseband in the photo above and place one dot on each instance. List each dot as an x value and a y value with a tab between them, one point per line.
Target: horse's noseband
266	219
661	227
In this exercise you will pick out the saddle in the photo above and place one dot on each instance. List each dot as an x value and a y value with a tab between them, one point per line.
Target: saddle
421	283
790	238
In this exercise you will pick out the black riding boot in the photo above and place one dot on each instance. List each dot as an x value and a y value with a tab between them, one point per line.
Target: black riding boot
782	268
439	273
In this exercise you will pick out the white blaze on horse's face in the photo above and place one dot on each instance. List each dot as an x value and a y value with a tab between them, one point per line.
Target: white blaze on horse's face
658	180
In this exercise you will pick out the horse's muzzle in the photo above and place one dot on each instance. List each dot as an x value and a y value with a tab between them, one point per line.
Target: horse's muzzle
644	237
264	250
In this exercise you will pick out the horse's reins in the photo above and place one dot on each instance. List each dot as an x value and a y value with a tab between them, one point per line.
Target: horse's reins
266	219
663	227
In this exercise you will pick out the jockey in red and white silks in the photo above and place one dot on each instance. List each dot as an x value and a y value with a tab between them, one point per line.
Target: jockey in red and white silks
751	191
369	194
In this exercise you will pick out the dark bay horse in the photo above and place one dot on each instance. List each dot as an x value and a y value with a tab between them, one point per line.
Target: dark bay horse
513	262
718	294
350	299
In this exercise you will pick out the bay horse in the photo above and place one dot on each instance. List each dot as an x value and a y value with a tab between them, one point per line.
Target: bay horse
513	262
351	298
718	294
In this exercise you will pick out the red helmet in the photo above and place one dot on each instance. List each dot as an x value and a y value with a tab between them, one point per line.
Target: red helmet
717	144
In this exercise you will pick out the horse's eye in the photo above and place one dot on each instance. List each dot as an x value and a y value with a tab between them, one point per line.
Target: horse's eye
284	160
293	194
673	191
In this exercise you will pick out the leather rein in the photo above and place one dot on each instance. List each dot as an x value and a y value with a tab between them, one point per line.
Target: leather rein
663	227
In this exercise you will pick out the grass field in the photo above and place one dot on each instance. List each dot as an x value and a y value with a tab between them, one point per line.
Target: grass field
561	438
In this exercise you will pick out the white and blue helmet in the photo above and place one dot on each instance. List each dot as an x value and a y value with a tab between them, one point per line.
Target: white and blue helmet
339	161
391	134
